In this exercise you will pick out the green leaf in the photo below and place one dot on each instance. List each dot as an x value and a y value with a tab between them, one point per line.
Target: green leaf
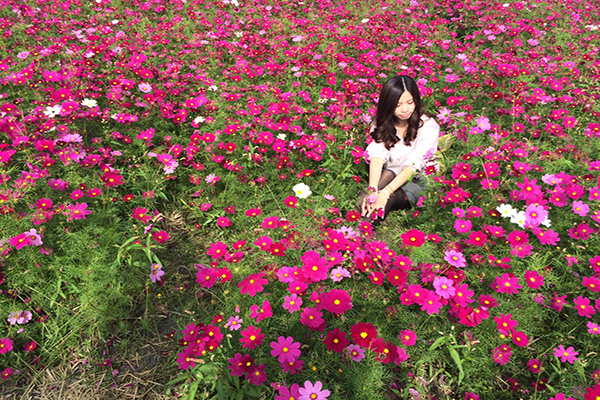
240	395
457	360
438	343
193	390
177	380
236	382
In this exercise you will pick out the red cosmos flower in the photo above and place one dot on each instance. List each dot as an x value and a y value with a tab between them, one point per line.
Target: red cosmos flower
377	278
363	333
336	340
291	201
253	284
139	213
111	179
277	249
253	212
337	301
592	393
352	216
414	238
397	277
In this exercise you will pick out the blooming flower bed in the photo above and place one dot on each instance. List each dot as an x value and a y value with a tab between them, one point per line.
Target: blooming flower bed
205	157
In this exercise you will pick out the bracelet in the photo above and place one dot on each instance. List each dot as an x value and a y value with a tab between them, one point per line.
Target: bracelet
390	191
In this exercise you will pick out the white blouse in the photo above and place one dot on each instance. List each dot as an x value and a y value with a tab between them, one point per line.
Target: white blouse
401	156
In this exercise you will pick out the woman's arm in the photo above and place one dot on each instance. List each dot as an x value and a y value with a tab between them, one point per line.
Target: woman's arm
375	168
398	181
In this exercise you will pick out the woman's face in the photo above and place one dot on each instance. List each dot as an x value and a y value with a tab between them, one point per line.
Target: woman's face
405	106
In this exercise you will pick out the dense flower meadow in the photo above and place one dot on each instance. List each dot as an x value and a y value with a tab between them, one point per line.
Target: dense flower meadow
203	158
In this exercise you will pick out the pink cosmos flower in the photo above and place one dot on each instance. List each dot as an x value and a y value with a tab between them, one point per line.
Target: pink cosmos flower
314	267
566	355
292	303
262	312
234	323
583	306
501	354
251	337
535	215
455	258
444	287
253	284
463	295
21	241
337	301
533	279
156	272
463	225
313	392
431	303
338	274
285	349
355	352
144	88
287	394
140	213
580	208
6	345
508	283
206	277
534	365
78	211
593	328
407	337
311	317
256	375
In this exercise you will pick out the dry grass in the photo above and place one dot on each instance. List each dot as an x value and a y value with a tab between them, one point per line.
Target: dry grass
82	383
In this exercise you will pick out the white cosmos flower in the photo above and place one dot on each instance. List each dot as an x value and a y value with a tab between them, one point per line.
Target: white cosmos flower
519	219
505	210
302	190
89	103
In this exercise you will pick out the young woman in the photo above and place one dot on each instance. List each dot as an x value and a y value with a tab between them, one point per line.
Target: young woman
404	138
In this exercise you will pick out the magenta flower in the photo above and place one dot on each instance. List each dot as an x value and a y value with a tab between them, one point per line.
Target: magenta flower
292	303
253	284
140	213
251	337
566	355
311	317
314	267
463	225
337	301
444	287
287	394
455	258
256	375
313	392
77	211
262	312
533	279
583	306
593	328
6	345
21	241
407	337
285	349
431	303
508	283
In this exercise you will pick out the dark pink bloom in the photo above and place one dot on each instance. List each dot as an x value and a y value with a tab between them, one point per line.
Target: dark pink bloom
253	284
337	301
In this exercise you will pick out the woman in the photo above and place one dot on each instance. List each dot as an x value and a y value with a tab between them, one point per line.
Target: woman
404	138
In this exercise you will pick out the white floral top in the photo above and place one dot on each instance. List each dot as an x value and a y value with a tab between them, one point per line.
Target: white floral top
401	156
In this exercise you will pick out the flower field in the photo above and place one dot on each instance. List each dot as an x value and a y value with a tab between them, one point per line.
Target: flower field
185	174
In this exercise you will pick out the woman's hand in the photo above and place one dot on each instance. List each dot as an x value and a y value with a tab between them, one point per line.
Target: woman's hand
380	203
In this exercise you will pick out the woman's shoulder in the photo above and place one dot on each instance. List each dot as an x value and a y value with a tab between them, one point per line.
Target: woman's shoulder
429	122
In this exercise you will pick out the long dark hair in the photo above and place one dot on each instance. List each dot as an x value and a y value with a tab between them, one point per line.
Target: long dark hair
385	118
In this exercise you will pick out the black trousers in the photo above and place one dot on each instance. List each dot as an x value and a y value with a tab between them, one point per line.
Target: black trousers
397	201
